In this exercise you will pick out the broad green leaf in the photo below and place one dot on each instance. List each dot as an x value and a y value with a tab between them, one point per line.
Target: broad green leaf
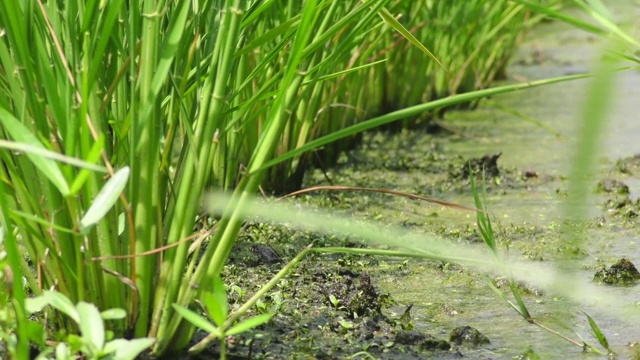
21	134
91	324
56	300
78	344
249	324
35	304
113	314
121	223
197	320
127	349
216	302
105	199
63	352
37	334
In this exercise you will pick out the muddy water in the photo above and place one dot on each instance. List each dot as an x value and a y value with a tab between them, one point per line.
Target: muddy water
552	51
527	216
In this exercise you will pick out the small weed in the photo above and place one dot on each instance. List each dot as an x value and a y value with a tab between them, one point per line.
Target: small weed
94	341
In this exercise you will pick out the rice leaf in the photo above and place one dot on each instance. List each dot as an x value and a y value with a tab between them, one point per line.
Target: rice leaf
21	134
408	112
395	24
599	335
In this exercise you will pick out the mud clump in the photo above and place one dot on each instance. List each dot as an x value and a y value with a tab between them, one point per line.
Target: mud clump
529	173
621	273
424	341
488	163
357	298
628	165
612	186
265	254
468	336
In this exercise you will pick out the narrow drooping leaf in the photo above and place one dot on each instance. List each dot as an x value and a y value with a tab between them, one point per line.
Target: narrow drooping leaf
395	24
197	320
249	324
411	111
113	314
55	300
599	335
128	349
574	21
21	134
53	155
92	157
521	306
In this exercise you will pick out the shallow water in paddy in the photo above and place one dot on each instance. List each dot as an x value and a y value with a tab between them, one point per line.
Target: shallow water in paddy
445	299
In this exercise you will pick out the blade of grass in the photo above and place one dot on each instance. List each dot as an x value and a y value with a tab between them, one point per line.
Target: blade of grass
22	135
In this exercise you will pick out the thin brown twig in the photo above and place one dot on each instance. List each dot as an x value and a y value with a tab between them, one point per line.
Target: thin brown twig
574	342
157	250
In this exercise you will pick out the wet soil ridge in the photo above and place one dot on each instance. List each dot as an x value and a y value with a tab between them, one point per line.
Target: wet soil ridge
421	340
265	254
486	165
332	306
359	298
418	162
612	186
620	201
622	272
469	336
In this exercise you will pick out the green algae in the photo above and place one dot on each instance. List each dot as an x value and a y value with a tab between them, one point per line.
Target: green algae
427	300
318	309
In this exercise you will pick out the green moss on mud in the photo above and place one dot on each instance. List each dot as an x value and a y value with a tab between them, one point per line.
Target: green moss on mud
337	305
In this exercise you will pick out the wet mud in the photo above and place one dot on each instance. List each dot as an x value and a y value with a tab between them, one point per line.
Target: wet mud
337	306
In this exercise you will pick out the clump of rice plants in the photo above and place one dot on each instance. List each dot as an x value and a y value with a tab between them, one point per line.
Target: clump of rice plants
116	116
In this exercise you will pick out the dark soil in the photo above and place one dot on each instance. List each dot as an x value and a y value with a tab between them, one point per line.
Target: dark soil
330	306
622	272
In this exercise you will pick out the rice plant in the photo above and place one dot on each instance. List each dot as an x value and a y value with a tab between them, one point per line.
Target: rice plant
116	116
